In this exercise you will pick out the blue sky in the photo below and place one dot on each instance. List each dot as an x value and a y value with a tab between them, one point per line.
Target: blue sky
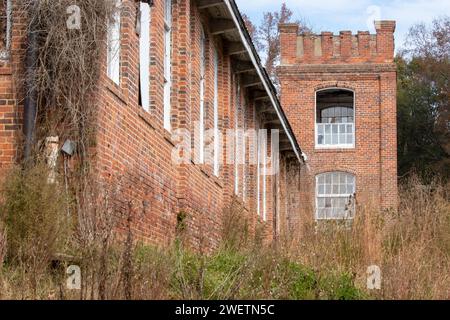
337	15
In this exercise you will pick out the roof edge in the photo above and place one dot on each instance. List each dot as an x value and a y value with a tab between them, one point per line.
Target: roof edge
268	85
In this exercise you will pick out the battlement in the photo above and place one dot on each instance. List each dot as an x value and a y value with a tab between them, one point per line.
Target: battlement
328	48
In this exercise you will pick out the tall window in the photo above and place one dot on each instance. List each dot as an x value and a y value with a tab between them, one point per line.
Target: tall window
5	28
244	151
237	136
335	195
167	62
335	119
216	114
263	173
202	95
144	56
113	58
258	165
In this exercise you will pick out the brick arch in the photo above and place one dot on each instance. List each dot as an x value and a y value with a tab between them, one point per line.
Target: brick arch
335	169
335	85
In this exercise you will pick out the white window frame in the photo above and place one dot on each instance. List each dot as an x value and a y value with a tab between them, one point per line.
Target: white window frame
144	54
237	137
202	95
263	156
348	215
335	125
167	63
216	163
258	167
244	151
114	42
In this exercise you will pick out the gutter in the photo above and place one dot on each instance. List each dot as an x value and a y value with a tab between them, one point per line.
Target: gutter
30	105
268	85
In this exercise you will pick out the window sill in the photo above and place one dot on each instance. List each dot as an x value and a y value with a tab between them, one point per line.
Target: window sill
147	118
208	172
335	149
168	137
116	90
243	204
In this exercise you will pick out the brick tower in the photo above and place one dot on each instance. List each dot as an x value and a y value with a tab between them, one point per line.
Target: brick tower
339	94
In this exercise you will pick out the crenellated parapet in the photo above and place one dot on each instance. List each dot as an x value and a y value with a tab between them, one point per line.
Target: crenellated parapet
329	48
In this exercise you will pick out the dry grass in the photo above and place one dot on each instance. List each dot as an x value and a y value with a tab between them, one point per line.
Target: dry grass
411	246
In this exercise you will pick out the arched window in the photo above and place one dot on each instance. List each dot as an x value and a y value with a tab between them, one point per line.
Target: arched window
335	119
335	195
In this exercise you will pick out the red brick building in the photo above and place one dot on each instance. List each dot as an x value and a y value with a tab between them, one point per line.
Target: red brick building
181	103
339	93
179	75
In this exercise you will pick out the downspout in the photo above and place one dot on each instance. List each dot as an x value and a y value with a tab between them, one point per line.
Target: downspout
30	105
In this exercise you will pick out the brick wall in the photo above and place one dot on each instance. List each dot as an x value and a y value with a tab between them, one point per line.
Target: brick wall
362	63
11	107
133	144
133	152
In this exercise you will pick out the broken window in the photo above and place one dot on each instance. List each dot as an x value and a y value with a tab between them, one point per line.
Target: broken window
335	118
202	94
113	62
144	56
5	28
216	168
167	62
335	195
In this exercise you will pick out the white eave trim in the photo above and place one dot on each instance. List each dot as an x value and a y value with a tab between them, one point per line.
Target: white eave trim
247	46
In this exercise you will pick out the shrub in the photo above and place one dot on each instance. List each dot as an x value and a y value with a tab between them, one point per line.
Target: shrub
35	215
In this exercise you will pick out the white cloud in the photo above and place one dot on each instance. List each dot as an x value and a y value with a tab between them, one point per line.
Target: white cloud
336	15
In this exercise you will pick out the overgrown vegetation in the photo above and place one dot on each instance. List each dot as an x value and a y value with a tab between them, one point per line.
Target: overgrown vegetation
38	238
412	248
39	248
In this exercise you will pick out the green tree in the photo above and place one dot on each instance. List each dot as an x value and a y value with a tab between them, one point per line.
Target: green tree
423	100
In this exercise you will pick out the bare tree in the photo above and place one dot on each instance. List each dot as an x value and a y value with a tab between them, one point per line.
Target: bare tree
267	39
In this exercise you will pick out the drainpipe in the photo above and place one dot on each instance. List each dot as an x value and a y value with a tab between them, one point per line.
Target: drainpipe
30	105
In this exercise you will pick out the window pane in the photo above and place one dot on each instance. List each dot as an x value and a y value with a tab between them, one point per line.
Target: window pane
320	139
328	128
335	189
321	213
335	139
321	179
341	185
335	128
321	203
321	189
335	177
349	189
327	139
320	129
349	128
350	138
